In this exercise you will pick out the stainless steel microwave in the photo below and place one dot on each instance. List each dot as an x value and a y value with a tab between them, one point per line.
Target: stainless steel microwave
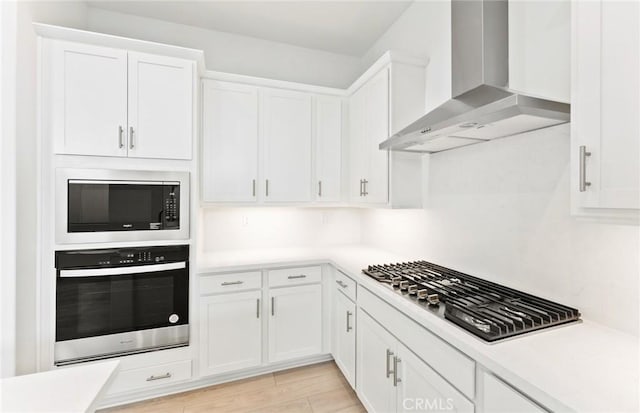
97	205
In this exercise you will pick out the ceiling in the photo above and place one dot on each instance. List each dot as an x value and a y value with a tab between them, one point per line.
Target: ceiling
345	27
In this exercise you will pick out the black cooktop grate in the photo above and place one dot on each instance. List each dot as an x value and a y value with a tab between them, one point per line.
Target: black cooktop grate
486	309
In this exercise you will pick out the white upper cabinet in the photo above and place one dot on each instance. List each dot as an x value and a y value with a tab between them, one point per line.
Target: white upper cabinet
605	135
286	134
386	98
370	107
540	48
328	148
160	107
88	99
265	145
230	142
113	102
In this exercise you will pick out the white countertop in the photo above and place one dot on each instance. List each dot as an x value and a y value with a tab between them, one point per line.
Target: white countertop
581	367
65	390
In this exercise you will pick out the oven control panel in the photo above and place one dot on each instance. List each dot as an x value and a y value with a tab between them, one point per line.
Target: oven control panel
119	257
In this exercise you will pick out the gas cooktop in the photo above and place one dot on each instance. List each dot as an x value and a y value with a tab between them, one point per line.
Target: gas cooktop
488	310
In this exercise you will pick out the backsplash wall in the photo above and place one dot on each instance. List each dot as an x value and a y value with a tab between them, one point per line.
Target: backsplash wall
501	211
274	227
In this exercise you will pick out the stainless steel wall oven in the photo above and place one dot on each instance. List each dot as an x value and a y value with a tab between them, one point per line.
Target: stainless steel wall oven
119	301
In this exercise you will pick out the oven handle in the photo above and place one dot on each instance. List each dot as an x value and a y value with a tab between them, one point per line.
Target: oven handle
101	272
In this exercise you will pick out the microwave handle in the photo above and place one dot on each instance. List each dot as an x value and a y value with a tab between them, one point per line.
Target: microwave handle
139	269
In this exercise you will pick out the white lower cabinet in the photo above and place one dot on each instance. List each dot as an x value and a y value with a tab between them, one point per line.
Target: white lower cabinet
295	322
231	332
499	397
391	378
345	336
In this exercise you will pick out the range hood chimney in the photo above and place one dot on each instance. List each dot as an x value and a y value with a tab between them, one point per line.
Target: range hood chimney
482	107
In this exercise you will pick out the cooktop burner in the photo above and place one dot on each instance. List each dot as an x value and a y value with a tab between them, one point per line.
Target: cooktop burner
486	309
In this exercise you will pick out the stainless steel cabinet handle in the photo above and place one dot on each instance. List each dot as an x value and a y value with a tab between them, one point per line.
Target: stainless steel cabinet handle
232	283
257	308
364	186
131	134
396	379
266	185
254	187
361	187
294	277
389	354
583	168
349	314
341	284
273	305
319	188
120	140
164	376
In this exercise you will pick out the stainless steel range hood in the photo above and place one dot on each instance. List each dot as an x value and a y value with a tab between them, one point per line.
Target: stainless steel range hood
483	108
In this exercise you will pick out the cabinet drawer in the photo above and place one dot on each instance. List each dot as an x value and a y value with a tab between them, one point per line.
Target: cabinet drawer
223	283
447	361
147	377
294	276
500	397
346	285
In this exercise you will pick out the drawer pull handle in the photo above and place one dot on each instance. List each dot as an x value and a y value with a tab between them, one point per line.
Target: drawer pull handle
164	376
294	277
341	284
232	283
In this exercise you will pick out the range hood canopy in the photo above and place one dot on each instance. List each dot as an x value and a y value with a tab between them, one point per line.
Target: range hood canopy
483	108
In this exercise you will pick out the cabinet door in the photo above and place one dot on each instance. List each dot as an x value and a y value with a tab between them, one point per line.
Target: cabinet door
358	153
295	322
328	136
605	104
420	388
160	107
345	336
230	142
501	398
374	381
230	332
286	138
88	99
376	131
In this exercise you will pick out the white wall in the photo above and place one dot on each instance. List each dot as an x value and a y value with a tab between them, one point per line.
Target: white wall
72	14
500	210
236	228
233	53
423	30
7	196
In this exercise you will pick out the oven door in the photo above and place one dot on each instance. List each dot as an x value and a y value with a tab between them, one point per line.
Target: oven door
107	311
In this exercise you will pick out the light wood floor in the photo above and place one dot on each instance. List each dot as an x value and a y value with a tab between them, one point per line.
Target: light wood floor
320	388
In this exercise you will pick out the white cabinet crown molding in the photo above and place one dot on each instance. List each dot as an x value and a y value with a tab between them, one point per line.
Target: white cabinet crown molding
118	42
390	56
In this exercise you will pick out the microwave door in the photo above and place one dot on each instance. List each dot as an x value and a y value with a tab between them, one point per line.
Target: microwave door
97	207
